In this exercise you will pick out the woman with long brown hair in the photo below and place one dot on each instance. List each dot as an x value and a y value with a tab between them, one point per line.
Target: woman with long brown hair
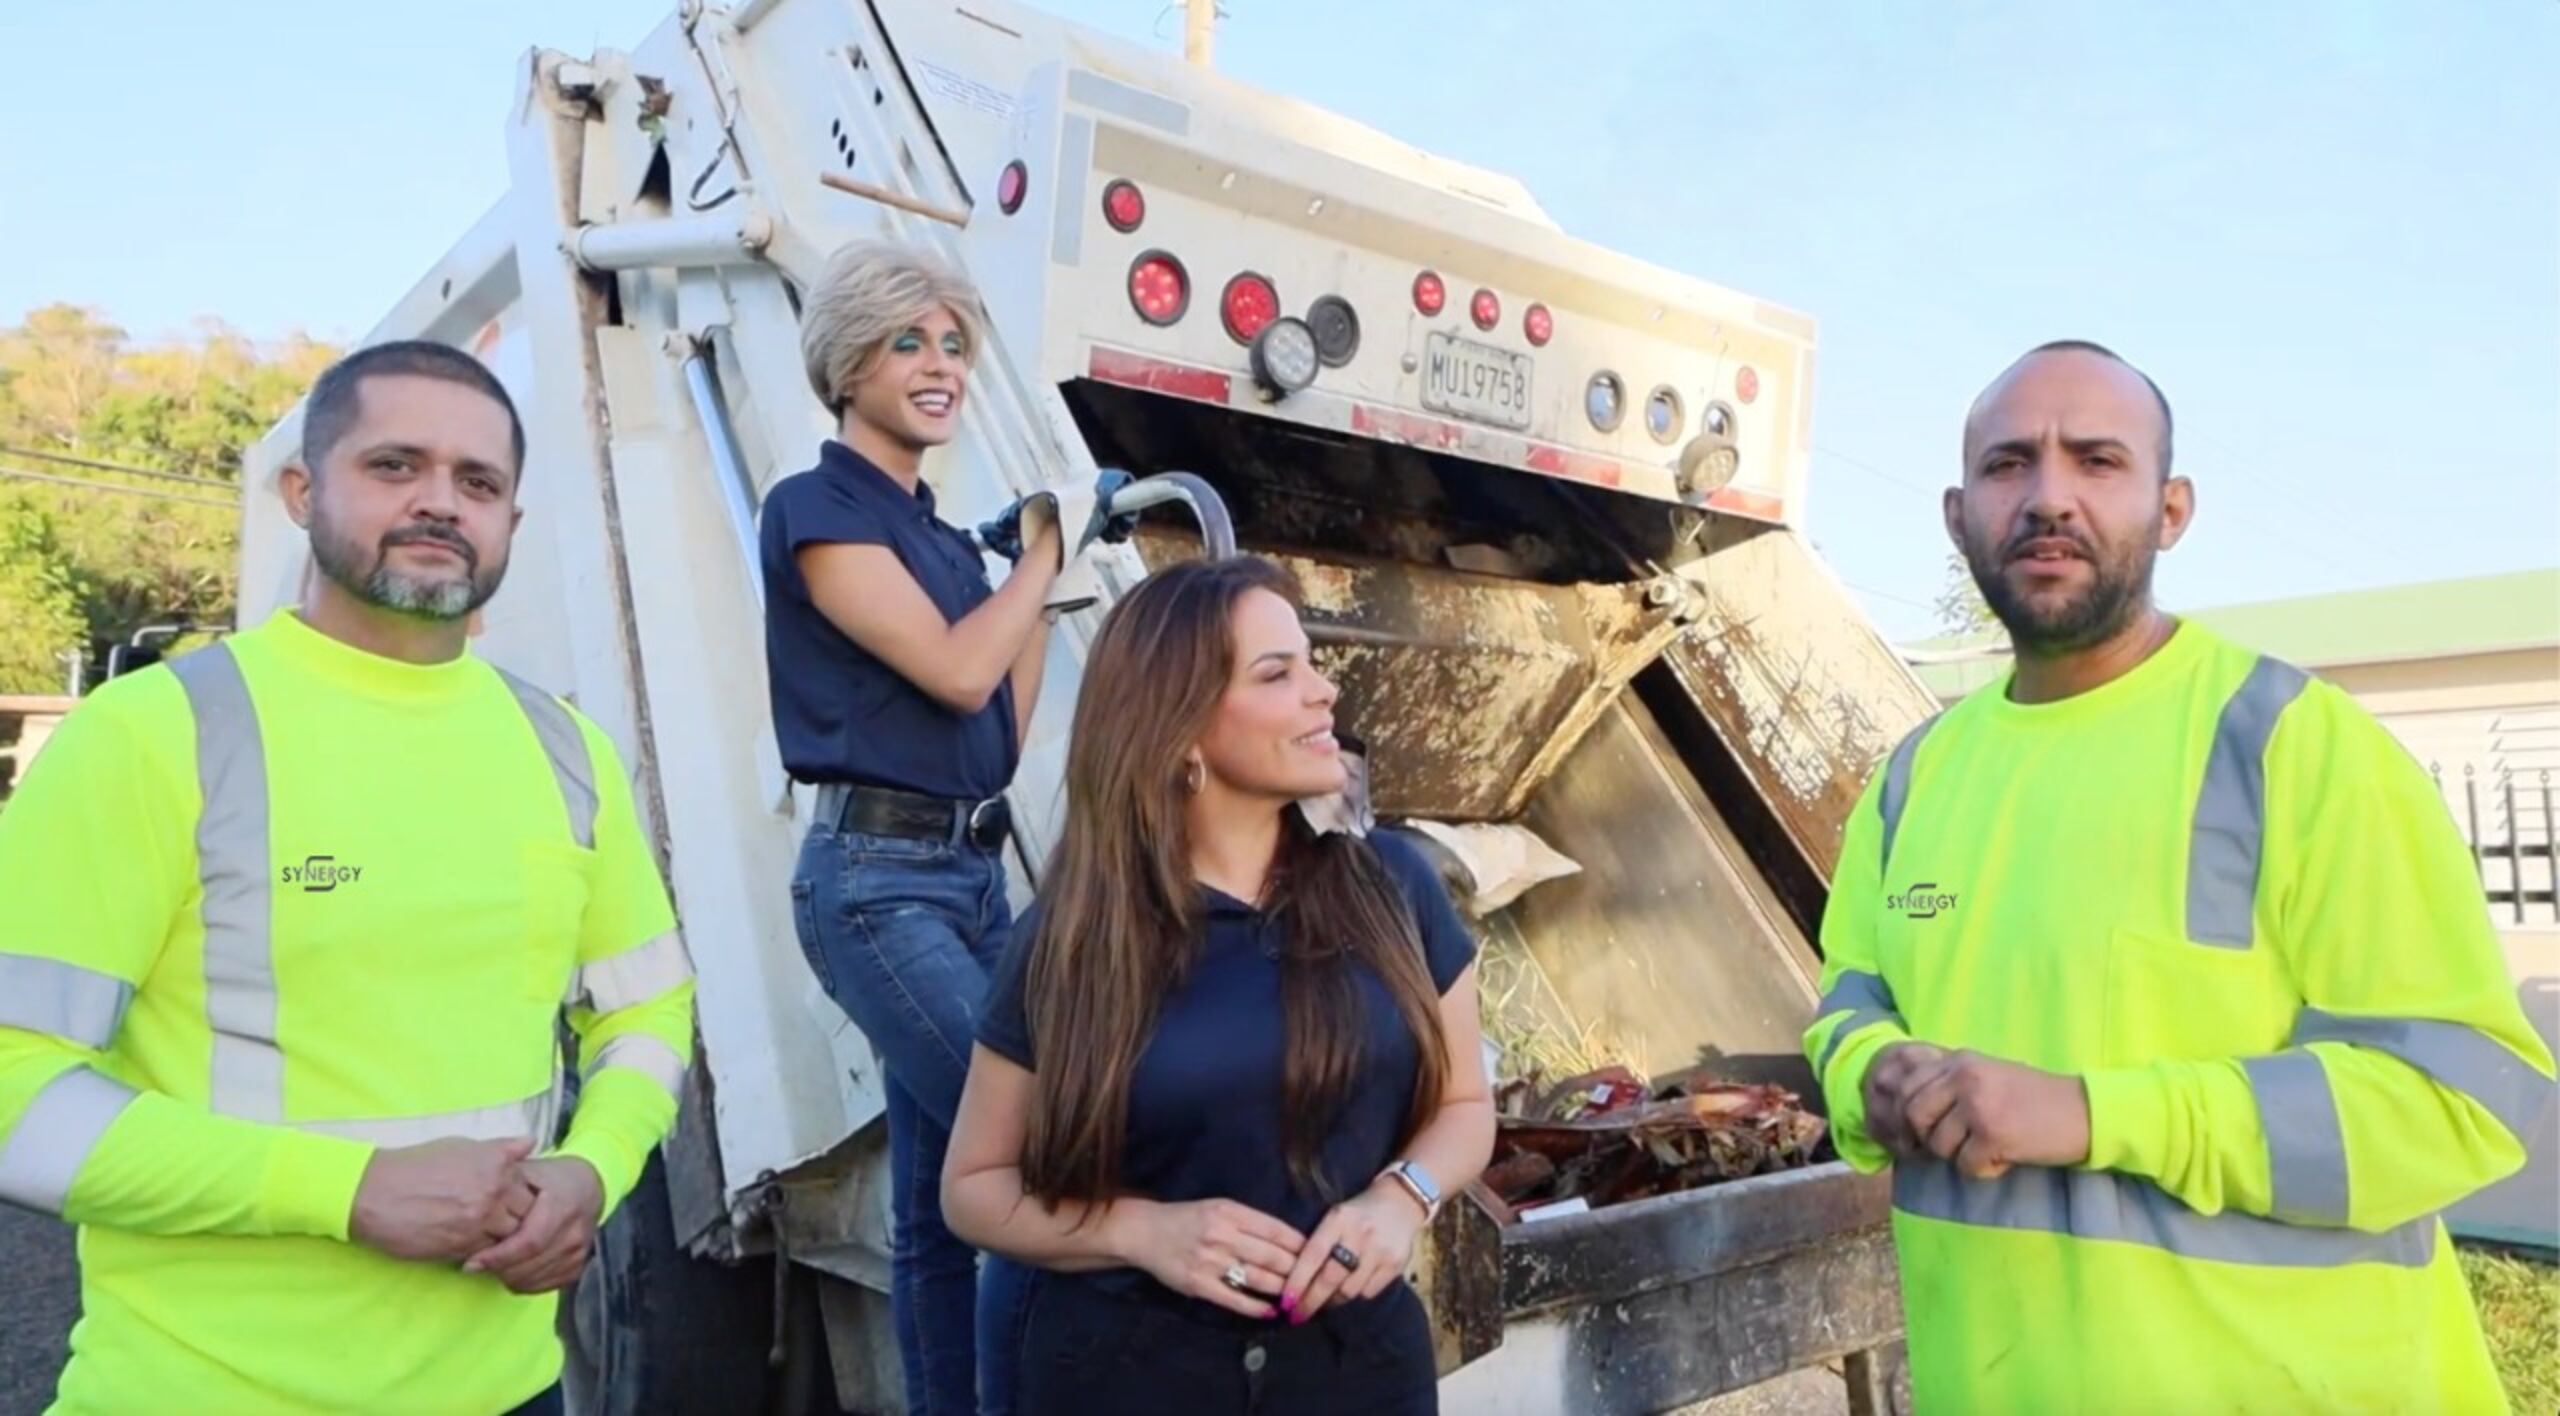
1229	1062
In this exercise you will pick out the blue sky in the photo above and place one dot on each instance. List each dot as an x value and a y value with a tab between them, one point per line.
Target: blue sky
2331	230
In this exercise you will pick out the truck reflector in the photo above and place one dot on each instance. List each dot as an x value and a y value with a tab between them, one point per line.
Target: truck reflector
1124	206
1430	293
1248	307
1539	324
1157	376
1337	328
1159	288
1604	401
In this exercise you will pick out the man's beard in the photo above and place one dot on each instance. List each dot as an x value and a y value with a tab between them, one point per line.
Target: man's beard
428	597
2119	590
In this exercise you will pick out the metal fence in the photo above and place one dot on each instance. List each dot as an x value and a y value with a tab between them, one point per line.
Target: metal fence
2507	823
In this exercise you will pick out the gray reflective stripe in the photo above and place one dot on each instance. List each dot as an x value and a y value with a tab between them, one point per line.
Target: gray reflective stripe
62	1000
649	1056
513	1120
2455	1055
633	976
2306	1152
1897	788
54	1136
232	853
1867	995
567	749
2231	810
2102	1205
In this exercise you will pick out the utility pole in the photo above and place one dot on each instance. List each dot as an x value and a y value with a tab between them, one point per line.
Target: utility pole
1199	27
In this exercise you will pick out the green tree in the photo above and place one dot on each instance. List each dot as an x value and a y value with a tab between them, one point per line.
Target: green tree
73	384
39	610
1960	605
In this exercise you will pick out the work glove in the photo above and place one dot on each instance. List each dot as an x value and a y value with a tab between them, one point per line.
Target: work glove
1087	512
1006	535
1078	585
1080	508
1106	526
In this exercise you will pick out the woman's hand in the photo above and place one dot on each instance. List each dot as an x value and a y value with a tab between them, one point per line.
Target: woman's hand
1190	1248
1377	1227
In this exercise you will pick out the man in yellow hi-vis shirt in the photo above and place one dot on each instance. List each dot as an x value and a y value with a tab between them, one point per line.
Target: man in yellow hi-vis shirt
286	925
2158	974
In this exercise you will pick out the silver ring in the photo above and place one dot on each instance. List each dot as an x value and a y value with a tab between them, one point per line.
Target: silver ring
1235	1277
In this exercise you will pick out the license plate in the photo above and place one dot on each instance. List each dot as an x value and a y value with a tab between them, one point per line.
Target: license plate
1475	381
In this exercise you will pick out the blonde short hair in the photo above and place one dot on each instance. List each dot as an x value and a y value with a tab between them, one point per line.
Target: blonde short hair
871	292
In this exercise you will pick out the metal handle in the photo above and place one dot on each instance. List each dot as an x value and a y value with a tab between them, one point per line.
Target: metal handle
736	487
1217	528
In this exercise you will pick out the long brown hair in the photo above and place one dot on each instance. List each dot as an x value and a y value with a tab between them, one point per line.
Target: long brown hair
1121	914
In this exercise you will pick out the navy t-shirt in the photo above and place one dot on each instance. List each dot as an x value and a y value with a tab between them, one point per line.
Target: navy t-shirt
839	713
1205	1102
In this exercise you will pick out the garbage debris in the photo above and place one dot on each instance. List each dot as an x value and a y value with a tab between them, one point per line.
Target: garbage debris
1607	1137
1348	809
1501	861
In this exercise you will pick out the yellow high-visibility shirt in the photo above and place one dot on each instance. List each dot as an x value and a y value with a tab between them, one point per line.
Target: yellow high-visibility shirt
2223	897
271	906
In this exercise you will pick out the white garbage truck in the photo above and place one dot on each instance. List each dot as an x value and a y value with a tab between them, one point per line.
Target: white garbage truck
1546	501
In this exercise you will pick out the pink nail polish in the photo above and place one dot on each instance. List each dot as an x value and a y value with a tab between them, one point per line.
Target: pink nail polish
1288	1303
1297	1319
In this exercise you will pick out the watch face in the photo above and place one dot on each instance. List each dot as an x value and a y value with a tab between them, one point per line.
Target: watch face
1422	1181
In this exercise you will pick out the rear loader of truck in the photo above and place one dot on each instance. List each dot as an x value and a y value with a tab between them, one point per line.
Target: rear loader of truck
1544	500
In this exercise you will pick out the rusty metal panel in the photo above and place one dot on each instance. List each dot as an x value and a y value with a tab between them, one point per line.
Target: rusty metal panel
1798	684
1705	1334
1617	1253
1735	1329
1468	689
1457	1270
1668	947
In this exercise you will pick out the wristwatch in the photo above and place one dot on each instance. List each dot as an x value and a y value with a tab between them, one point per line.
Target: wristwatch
1417	1182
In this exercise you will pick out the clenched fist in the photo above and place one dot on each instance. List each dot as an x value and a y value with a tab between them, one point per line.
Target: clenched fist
549	1249
444	1200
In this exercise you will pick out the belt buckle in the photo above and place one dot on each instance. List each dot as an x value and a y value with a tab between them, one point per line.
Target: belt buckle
987	823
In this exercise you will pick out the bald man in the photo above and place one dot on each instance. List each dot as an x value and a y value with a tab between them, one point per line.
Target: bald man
2158	974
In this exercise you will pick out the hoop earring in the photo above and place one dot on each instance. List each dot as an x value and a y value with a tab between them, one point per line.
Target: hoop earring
1195	776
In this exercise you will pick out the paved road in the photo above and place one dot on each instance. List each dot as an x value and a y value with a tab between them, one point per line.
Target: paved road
38	1300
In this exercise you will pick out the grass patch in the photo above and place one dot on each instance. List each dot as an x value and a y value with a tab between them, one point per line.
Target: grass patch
2519	1302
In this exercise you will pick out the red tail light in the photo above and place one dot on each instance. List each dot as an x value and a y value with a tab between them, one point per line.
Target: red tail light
1486	310
1124	206
1159	288
1248	307
1539	324
1012	186
1430	296
1746	385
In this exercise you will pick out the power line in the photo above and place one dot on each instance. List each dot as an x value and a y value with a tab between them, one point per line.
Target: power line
1876	472
1889	595
69	461
86	486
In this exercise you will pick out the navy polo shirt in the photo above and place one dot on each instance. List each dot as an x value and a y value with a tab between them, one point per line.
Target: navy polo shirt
839	713
1205	1102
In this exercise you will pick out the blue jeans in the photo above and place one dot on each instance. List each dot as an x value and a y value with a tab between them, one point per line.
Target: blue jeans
902	934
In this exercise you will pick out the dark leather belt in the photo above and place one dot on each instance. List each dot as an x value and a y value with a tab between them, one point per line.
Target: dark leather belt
885	811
